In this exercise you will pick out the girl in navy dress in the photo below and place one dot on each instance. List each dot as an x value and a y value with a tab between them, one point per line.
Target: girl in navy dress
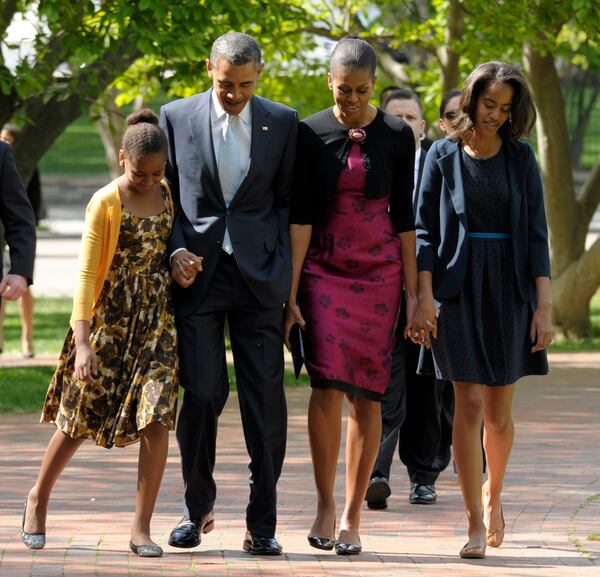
482	254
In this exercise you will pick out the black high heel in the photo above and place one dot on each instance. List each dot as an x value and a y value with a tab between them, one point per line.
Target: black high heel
342	548
324	543
347	548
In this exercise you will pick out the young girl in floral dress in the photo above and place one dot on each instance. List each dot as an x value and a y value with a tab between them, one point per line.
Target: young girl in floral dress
116	381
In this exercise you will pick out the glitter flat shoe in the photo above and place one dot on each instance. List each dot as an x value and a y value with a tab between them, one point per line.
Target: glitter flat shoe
146	550
31	540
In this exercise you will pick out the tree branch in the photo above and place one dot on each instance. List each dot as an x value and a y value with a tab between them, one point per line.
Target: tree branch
394	69
47	119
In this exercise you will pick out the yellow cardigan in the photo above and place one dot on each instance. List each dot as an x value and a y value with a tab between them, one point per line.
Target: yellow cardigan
98	246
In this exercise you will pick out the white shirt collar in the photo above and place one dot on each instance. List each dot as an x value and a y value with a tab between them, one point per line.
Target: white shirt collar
245	115
418	157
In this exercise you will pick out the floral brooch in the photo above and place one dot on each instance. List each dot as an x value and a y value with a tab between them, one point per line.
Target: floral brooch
357	134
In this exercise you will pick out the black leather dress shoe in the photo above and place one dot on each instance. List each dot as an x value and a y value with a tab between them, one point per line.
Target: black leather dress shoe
422	494
261	545
186	534
377	493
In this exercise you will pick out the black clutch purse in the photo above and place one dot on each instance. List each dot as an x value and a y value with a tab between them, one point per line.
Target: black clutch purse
297	346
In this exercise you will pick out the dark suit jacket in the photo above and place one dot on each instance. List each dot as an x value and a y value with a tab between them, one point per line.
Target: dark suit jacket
17	217
257	218
425	146
442	228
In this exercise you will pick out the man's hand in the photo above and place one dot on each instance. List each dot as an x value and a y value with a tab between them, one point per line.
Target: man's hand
184	267
13	286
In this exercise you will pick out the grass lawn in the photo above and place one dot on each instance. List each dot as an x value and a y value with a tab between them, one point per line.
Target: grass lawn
23	389
77	151
50	325
52	322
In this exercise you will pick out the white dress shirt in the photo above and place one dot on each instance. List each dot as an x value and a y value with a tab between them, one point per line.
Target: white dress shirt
218	120
416	172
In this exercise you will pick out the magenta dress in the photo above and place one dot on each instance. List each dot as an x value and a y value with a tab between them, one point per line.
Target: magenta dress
350	289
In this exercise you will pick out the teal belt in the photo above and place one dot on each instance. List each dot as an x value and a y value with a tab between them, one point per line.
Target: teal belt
490	235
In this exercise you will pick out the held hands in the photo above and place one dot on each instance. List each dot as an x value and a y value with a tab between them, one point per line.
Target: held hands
411	310
541	328
425	324
86	366
12	286
184	267
292	316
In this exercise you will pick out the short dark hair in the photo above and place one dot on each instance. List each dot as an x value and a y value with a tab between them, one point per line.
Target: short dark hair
143	135
352	53
383	95
522	114
235	48
452	93
402	94
12	129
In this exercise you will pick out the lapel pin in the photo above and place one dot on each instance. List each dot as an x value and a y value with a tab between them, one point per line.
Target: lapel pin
265	128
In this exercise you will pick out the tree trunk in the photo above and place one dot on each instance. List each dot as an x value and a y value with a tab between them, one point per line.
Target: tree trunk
110	122
447	56
47	121
110	125
576	273
567	233
572	292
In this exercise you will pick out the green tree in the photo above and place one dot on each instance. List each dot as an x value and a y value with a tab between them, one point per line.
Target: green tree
81	47
431	45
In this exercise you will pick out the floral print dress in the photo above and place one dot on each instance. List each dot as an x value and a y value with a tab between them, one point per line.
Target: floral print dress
133	336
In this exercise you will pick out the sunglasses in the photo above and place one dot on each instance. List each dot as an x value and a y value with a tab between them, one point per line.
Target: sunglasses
450	114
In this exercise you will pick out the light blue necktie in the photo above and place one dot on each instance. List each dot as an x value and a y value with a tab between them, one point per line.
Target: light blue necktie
230	167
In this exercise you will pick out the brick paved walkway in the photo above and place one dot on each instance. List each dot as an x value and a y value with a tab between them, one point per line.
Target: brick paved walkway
551	502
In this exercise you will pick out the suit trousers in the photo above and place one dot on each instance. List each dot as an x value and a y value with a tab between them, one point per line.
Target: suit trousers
416	410
256	335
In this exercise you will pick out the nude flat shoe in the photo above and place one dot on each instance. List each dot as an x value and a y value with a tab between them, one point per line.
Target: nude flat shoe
472	552
495	537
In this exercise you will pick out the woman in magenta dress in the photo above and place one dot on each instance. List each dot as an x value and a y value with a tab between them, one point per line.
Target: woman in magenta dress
353	250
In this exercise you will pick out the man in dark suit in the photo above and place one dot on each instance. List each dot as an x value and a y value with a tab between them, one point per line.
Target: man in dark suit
231	157
416	409
19	227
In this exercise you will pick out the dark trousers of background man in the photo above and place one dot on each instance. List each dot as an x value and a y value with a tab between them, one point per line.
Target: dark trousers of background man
417	410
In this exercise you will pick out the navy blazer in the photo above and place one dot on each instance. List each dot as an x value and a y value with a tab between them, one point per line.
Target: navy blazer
442	228
17	217
258	216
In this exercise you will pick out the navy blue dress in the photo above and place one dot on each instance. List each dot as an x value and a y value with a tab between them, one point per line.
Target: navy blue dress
483	332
